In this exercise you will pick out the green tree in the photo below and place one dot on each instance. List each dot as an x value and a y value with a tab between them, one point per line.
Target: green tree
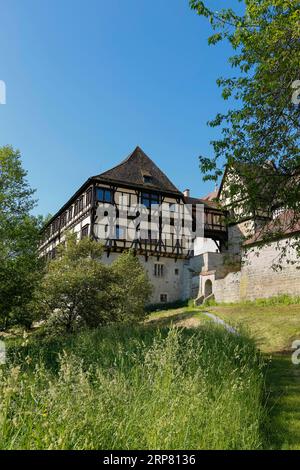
19	235
264	125
78	290
132	285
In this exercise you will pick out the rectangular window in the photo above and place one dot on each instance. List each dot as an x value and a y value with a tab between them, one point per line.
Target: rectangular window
80	203
146	202
148	199
63	219
158	270
76	208
85	231
89	196
176	272
119	232
56	225
70	213
104	195
164	298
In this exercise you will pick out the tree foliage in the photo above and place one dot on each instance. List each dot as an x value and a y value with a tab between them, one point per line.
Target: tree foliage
132	286
19	234
264	125
78	290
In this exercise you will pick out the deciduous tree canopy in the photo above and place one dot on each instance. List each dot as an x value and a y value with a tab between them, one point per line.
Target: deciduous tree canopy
264	125
79	290
19	233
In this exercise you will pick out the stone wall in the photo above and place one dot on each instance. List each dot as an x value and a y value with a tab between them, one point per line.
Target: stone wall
255	279
259	280
228	288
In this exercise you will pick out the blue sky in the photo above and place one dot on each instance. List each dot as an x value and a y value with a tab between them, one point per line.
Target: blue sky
87	81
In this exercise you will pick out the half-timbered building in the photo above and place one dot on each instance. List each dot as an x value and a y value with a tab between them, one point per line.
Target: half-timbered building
107	208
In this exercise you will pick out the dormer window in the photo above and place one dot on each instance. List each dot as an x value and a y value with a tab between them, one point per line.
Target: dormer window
147	177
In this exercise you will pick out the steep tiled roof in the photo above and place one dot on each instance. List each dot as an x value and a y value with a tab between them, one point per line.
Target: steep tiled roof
206	202
287	224
211	196
139	170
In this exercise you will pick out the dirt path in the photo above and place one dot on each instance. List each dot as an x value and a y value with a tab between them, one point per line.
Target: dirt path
219	321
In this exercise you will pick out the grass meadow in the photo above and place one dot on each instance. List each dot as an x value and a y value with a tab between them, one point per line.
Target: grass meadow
273	324
144	387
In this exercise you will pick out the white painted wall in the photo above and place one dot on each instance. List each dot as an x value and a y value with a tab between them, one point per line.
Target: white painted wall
170	283
204	245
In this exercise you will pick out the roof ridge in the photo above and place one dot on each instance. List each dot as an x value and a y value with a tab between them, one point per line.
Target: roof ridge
139	159
118	165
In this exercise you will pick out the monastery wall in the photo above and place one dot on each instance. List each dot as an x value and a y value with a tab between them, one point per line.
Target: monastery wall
257	278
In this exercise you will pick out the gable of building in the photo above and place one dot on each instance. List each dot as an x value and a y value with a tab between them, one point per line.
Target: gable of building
139	170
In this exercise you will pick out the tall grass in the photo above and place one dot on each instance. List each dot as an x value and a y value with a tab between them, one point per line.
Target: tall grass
133	388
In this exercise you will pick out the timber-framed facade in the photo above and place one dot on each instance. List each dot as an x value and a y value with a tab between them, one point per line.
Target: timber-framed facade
136	181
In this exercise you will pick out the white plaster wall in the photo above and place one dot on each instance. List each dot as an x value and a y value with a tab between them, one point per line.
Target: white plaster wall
170	283
204	245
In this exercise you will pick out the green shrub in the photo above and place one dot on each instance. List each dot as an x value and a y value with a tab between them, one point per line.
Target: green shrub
78	290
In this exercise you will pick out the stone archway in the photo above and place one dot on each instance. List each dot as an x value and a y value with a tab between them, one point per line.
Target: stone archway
208	288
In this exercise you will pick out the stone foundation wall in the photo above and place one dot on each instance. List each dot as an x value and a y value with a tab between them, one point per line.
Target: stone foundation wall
227	289
257	279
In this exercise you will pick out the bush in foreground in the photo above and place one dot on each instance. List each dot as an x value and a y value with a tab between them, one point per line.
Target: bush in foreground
78	290
133	388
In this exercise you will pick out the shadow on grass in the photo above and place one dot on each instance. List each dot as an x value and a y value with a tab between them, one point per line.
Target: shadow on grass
168	320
